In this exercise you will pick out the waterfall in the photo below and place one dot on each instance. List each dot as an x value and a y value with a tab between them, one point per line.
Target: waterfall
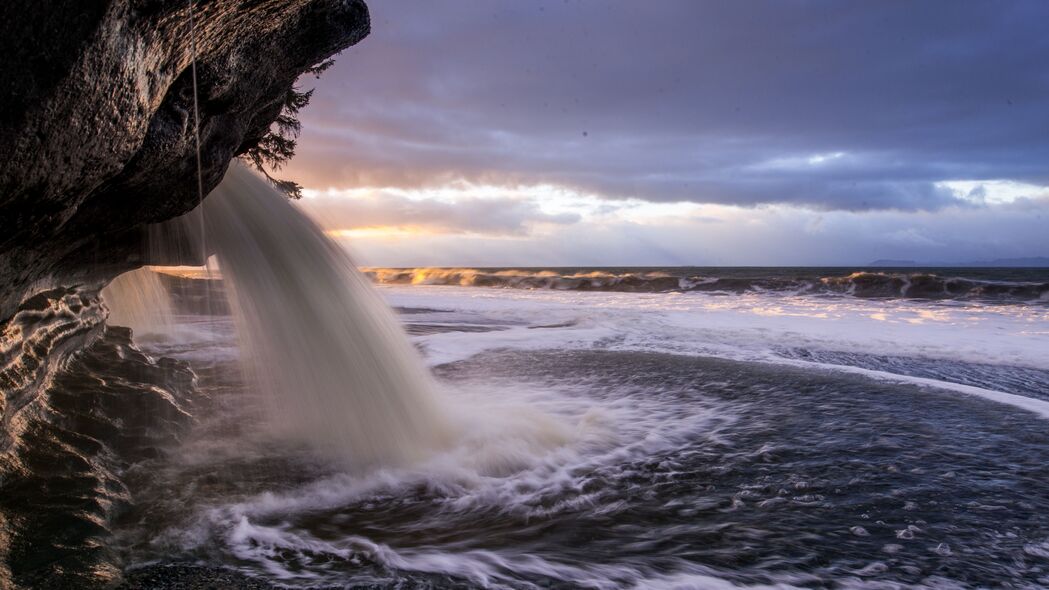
138	300
316	338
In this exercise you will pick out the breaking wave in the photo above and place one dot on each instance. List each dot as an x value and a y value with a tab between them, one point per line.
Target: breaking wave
866	284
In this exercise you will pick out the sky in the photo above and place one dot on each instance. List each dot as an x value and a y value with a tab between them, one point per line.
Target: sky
613	133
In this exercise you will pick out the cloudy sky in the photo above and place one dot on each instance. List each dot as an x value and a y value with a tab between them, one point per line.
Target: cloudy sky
684	132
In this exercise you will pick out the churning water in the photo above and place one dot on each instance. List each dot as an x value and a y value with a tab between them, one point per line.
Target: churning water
591	439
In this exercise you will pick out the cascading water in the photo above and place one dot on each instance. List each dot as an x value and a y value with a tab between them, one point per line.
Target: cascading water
138	300
315	336
586	439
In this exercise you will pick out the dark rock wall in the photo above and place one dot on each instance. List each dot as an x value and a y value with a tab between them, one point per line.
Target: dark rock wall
106	408
96	141
96	129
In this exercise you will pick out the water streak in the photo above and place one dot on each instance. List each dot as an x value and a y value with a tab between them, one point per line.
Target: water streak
328	352
139	301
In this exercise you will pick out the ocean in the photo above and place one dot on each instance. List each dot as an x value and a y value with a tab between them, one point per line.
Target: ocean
646	428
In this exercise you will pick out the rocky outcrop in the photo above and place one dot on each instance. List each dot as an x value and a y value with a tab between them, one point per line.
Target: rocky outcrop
108	407
96	141
96	129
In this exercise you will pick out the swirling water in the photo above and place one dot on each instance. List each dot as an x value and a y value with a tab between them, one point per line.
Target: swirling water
644	440
596	429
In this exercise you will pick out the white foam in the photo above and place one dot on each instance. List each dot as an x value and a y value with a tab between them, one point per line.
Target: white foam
487	568
528	449
528	444
1030	404
498	568
749	327
528	453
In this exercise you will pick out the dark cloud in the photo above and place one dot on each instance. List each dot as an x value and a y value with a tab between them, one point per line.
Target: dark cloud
491	216
721	102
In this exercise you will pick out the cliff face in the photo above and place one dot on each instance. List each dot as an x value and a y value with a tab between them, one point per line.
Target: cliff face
96	129
97	140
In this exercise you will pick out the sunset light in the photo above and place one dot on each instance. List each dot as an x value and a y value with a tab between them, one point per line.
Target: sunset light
524	295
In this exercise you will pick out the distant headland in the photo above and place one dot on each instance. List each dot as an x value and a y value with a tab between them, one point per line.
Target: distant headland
1029	262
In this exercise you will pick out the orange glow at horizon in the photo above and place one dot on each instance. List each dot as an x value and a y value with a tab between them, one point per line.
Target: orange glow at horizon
380	231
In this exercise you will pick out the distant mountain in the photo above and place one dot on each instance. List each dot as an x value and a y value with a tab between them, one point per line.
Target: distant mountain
1030	262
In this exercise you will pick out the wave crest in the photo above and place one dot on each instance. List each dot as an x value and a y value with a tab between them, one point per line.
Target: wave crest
866	284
